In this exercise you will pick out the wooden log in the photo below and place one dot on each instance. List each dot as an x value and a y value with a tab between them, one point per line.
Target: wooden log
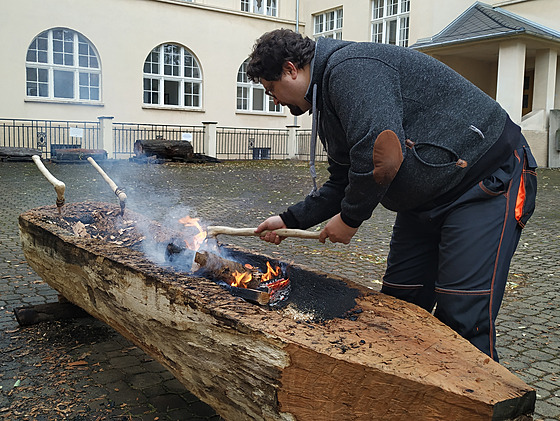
78	155
336	351
164	149
17	153
30	315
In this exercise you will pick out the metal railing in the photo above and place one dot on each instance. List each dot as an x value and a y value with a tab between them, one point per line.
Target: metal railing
46	135
242	143
232	143
303	140
126	134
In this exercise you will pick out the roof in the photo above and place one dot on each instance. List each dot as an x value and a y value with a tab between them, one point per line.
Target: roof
481	21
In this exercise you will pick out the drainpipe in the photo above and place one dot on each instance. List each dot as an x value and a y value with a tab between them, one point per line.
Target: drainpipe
297	30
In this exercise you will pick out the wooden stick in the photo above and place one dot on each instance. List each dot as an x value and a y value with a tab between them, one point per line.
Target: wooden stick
59	186
117	190
213	231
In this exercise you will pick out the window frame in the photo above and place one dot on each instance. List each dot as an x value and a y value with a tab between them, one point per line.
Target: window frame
390	22
171	78
248	89
60	59
329	24
268	7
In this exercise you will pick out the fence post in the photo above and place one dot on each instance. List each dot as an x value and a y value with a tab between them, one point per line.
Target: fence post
210	142
106	135
292	142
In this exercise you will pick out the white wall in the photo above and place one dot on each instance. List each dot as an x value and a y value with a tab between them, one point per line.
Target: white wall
124	32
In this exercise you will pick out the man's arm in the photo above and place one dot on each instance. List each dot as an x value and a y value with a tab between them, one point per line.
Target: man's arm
316	209
367	100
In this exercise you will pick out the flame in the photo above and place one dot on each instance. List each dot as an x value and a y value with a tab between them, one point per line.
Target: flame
197	239
241	279
270	273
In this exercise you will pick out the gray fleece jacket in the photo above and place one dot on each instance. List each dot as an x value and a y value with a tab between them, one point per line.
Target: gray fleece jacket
439	117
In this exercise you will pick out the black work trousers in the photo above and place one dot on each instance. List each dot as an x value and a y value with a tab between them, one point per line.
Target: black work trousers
456	256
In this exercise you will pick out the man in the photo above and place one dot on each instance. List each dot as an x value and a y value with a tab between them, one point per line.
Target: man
404	130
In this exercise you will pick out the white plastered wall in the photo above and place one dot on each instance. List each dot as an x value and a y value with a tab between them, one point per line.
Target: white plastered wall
123	33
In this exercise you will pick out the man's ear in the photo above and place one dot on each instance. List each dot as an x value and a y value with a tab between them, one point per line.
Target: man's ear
290	68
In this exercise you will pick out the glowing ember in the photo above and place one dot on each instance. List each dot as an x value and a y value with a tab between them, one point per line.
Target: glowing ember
271	282
196	240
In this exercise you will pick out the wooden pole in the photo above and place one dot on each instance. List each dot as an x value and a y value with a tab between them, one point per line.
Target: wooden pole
117	190
59	186
213	231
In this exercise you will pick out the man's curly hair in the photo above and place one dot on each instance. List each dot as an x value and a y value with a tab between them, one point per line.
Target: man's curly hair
273	49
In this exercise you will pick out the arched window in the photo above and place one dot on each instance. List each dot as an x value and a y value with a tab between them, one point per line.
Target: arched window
251	96
62	64
172	78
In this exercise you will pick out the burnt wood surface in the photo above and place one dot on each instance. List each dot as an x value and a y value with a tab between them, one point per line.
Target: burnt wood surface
30	315
164	149
77	155
17	153
335	351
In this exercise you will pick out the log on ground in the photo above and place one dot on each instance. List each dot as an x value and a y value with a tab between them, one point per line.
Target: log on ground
360	356
30	315
17	153
164	149
78	155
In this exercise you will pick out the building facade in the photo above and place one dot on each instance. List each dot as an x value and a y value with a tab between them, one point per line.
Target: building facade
183	62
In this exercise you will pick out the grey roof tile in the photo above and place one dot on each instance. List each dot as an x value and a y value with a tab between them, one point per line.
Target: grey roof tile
483	21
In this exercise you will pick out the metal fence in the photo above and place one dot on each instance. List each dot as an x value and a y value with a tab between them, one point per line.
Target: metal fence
48	135
232	143
126	134
303	140
243	143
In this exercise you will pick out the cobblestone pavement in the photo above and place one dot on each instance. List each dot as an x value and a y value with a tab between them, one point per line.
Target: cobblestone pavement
83	370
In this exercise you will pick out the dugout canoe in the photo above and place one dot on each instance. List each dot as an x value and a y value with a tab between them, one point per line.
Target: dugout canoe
335	351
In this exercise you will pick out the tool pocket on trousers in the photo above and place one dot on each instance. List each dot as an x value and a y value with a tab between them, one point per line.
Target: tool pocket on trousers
526	195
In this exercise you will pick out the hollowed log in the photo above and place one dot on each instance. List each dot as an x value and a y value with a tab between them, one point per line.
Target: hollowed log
335	351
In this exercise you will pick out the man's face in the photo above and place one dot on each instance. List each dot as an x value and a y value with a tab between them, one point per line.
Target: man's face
289	91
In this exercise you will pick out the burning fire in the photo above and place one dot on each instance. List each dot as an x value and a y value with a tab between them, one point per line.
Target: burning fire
197	239
270	273
241	279
271	282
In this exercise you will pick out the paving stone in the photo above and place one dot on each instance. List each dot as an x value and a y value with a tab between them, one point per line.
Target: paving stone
144	380
124	361
169	401
248	192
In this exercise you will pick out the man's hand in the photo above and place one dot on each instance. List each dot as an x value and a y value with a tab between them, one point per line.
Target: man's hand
272	223
337	231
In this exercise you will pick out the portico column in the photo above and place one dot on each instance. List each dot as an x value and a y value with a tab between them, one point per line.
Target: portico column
210	141
106	141
292	147
545	80
511	71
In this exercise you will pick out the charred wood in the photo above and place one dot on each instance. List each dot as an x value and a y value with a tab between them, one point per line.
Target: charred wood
30	315
163	149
